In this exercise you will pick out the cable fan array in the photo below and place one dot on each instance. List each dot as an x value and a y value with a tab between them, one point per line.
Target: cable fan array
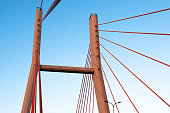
79	110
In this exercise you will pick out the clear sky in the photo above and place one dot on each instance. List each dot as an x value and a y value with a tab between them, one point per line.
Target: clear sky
65	40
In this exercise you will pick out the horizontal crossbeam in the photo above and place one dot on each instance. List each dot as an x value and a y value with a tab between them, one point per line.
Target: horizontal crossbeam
66	69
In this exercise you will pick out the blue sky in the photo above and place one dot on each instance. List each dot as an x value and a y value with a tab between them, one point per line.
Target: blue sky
65	40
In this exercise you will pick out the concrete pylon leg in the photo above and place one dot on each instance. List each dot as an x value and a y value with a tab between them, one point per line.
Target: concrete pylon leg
95	63
29	89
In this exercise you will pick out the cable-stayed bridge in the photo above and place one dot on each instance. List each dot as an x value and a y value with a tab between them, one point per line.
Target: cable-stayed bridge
94	75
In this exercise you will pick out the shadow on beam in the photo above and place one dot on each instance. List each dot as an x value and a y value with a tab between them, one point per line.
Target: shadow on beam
66	69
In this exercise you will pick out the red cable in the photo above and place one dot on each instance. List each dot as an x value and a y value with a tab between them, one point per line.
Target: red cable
89	52
35	95
41	4
90	92
135	32
103	90
53	5
32	108
88	64
36	69
137	77
78	103
83	82
88	81
87	91
88	58
40	92
83	95
136	52
35	74
119	83
110	88
33	100
101	83
93	100
88	84
135	16
80	96
87	94
89	61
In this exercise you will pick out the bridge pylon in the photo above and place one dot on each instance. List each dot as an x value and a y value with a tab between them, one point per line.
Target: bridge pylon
96	65
95	70
30	84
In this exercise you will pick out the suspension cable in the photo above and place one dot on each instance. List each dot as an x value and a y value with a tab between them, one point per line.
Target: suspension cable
119	83
83	96
135	52
91	81
88	82
80	93
54	4
91	84
84	93
93	100
33	109
40	92
107	83
135	32
87	87
136	16
109	88
136	76
81	102
41	4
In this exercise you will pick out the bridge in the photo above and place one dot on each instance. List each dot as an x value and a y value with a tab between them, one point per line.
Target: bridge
93	85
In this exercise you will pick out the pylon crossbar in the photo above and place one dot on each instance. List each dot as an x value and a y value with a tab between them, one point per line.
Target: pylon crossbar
66	69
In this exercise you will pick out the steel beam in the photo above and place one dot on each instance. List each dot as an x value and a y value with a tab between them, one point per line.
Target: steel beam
66	69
